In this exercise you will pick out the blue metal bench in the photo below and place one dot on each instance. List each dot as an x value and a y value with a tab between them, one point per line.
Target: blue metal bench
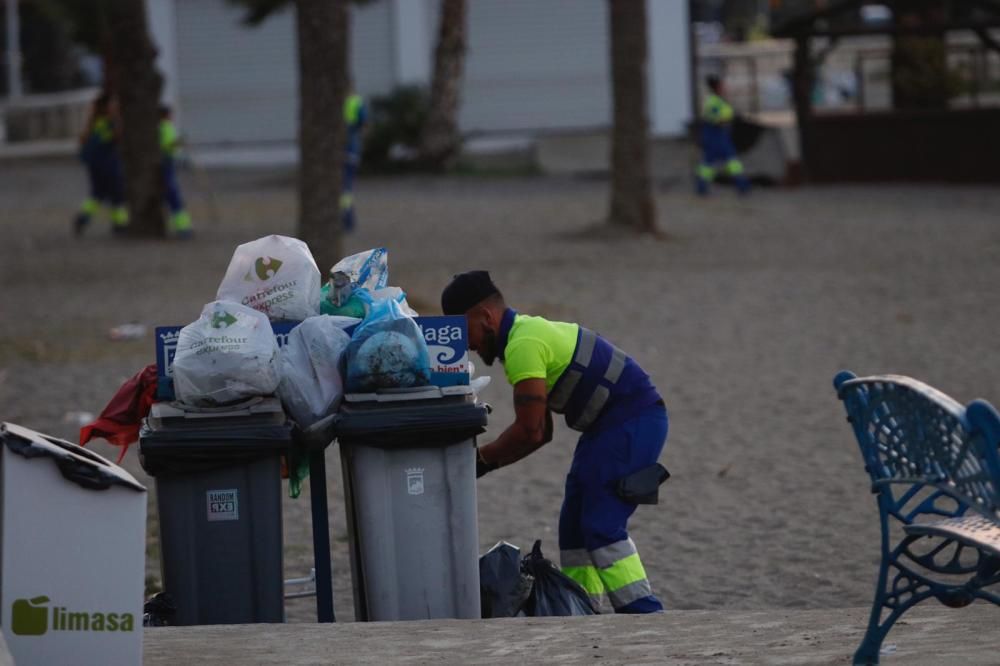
935	471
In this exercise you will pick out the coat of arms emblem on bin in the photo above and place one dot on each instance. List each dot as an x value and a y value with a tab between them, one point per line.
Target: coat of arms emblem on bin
415	480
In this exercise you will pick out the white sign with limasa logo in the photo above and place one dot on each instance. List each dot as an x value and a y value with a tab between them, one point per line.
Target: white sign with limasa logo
72	571
31	617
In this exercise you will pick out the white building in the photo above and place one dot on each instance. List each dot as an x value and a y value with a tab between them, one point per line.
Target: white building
532	66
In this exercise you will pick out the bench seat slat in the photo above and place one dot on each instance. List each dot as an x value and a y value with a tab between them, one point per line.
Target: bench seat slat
972	530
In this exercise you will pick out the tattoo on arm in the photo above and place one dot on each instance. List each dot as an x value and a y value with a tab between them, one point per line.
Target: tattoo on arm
525	398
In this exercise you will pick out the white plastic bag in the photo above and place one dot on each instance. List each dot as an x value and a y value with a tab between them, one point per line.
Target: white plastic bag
396	294
276	275
228	354
311	382
368	269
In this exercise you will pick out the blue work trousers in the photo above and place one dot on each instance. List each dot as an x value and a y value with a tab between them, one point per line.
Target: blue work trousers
596	550
171	187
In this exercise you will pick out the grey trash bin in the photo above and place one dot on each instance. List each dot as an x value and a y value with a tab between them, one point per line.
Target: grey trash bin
218	491
410	492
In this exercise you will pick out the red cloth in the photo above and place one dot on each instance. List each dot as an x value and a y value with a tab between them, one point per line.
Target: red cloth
119	422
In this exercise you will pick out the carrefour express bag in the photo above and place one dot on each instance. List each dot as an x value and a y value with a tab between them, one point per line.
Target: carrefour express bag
228	354
276	275
311	382
387	350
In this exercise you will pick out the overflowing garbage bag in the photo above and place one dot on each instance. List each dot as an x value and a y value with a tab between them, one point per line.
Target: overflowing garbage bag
366	270
121	419
341	297
276	275
228	354
358	281
503	586
311	381
387	350
159	610
553	592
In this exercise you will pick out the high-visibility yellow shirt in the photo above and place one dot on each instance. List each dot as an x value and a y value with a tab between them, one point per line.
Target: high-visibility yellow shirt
168	138
352	109
103	129
539	349
716	110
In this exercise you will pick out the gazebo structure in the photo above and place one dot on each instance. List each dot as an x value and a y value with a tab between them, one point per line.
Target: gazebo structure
925	134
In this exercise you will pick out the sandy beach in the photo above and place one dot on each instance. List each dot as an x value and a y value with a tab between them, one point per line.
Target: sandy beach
742	316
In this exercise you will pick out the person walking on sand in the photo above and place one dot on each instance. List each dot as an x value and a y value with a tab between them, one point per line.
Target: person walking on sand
99	153
716	141
180	219
603	393
355	118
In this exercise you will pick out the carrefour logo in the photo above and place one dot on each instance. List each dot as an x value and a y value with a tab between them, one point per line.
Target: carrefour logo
222	319
265	268
30	617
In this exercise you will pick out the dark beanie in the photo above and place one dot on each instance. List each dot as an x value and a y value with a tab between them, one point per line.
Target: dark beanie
466	290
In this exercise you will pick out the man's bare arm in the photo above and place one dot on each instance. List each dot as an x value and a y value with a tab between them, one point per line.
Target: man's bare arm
531	429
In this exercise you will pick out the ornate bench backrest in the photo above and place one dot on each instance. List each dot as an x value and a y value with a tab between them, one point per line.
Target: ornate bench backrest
912	433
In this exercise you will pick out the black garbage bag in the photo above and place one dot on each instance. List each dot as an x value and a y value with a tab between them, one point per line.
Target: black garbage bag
159	610
553	593
503	587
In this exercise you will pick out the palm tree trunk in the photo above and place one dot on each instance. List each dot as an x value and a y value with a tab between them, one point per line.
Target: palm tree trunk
138	90
323	47
632	204
441	140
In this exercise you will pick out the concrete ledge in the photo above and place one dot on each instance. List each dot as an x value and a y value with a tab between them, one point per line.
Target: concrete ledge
927	636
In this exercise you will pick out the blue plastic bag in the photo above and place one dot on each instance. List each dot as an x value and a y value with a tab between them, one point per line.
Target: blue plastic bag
387	350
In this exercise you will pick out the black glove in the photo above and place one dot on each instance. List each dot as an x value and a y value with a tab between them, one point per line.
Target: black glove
483	467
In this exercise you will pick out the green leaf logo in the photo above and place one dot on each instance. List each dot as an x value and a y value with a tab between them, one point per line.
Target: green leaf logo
29	618
222	319
265	268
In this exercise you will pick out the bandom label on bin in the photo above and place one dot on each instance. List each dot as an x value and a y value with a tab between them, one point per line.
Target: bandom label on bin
223	504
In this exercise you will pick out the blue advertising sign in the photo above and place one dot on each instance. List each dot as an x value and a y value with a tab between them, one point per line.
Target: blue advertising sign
447	343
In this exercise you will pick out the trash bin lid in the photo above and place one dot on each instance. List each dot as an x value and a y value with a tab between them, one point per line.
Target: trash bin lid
256	411
381	396
179	439
77	464
419	423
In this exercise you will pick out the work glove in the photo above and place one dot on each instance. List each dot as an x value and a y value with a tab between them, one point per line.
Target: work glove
483	467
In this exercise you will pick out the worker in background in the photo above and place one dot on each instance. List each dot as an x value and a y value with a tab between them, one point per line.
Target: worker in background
99	153
180	219
355	117
603	393
716	141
